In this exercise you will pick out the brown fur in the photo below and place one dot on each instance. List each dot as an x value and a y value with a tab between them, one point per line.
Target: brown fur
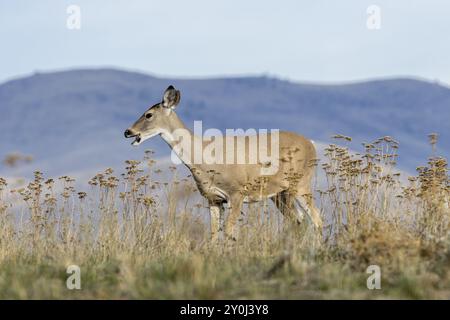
233	184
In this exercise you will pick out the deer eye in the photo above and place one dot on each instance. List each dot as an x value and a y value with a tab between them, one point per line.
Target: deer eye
148	115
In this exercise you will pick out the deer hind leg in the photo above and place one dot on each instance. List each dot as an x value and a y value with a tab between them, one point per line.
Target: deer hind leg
286	204
231	227
306	203
216	213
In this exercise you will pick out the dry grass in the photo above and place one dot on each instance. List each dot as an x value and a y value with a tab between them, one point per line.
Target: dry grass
134	236
14	159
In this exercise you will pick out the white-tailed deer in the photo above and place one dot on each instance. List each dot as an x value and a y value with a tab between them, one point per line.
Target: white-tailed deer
236	182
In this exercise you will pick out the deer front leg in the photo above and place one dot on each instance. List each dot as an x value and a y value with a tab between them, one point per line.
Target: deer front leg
307	205
231	228
216	213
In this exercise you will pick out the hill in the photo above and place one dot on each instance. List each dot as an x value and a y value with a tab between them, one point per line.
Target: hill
73	121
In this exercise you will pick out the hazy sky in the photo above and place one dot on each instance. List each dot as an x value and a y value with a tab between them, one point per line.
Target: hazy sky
314	40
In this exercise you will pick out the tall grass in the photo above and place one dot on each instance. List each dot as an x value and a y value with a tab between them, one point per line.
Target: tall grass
140	235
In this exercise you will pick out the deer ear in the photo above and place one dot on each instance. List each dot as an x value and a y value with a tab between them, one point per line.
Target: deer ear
171	98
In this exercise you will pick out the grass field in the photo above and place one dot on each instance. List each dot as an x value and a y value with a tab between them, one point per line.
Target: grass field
135	237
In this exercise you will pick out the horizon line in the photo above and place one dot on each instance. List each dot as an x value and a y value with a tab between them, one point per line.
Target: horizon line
225	76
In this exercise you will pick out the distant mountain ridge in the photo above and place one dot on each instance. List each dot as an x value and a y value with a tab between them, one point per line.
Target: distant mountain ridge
74	120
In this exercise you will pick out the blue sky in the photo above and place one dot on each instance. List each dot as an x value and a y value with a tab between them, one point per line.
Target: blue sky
314	41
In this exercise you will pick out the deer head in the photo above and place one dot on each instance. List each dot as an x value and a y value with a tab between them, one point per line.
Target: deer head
156	120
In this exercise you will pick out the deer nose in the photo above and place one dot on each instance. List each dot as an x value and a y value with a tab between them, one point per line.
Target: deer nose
128	133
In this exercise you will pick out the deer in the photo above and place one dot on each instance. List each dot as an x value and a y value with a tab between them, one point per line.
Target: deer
230	185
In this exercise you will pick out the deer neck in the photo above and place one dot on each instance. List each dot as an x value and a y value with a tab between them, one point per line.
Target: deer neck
172	137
